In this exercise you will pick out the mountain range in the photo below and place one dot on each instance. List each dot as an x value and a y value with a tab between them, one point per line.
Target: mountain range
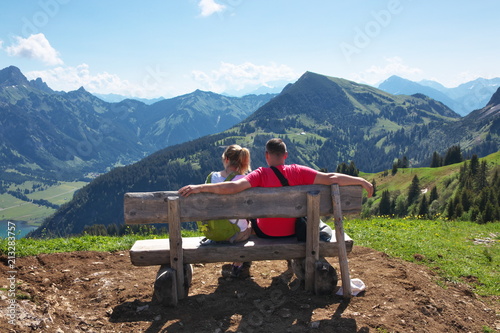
115	98
324	120
66	135
462	99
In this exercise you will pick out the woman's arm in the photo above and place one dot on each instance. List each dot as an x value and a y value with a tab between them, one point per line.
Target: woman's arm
343	180
218	188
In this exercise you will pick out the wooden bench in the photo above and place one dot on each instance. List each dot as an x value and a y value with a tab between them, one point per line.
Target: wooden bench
312	201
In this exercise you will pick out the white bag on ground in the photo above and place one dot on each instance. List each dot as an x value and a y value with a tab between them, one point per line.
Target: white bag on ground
357	286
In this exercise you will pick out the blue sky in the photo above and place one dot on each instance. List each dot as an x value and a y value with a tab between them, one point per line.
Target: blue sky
168	48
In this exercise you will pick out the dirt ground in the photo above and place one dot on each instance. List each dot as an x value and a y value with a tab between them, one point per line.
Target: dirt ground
104	292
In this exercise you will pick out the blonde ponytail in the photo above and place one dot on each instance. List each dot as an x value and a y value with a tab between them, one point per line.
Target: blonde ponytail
238	157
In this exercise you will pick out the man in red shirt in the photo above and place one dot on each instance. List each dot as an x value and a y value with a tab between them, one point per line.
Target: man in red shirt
276	154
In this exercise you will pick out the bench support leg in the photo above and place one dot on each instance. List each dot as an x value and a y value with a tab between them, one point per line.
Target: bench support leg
175	238
339	234
312	240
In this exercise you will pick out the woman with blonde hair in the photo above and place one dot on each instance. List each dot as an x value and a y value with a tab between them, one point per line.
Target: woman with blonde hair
236	163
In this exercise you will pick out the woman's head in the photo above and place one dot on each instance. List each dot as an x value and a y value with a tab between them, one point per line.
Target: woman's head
238	158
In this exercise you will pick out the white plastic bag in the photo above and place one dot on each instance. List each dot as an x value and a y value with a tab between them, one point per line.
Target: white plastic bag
357	286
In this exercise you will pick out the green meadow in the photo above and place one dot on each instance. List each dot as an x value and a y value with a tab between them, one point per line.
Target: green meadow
14	209
58	194
456	250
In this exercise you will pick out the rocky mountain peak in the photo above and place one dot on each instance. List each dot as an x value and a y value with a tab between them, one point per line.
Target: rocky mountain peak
12	76
495	99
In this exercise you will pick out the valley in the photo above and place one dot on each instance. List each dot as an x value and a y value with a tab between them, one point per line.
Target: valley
28	215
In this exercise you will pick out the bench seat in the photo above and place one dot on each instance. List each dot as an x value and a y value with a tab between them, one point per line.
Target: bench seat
151	252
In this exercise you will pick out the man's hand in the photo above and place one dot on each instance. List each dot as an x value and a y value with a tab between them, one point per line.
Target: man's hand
343	180
369	188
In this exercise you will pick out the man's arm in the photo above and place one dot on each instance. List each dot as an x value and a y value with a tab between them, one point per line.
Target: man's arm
218	188
343	180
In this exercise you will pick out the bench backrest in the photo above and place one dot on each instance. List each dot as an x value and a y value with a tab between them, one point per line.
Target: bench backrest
291	201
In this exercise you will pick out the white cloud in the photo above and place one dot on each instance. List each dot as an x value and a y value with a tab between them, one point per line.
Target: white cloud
209	7
71	78
153	83
237	77
1	44
393	66
35	47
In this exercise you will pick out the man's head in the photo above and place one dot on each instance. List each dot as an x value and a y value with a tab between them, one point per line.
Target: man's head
276	152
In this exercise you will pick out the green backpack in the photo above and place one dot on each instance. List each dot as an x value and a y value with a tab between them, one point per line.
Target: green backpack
218	230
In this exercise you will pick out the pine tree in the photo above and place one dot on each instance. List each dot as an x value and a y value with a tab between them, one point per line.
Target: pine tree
488	213
341	168
453	155
394	168
385	204
423	209
414	190
405	162
450	209
474	165
481	181
434	195
437	161
399	163
465	200
401	206
495	182
353	171
484	197
348	170
463	174
459	210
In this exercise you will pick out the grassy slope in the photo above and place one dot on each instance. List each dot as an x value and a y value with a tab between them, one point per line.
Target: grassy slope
428	178
456	250
14	209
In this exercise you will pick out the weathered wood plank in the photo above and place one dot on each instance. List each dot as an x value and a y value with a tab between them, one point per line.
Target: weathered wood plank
148	207
152	252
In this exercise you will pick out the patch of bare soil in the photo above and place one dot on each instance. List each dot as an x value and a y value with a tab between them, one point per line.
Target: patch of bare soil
104	292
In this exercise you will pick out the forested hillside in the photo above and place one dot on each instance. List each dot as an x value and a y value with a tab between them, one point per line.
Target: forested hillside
453	188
